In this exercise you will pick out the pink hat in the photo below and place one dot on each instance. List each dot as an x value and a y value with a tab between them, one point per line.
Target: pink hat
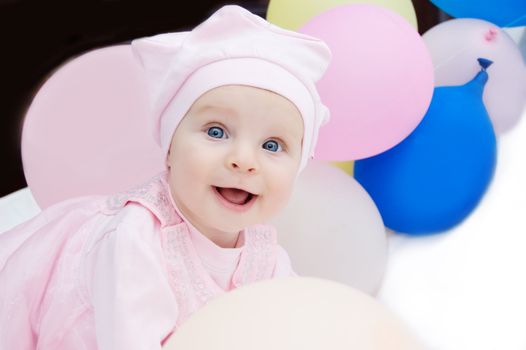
233	46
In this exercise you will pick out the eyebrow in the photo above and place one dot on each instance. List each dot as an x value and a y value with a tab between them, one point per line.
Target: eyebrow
206	107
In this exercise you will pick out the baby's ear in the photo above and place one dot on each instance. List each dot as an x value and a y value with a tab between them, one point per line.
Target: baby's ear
167	160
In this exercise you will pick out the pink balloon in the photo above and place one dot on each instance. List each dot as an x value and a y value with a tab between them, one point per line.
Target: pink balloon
379	84
456	44
87	130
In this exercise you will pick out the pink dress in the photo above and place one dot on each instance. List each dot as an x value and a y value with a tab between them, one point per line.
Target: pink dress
119	272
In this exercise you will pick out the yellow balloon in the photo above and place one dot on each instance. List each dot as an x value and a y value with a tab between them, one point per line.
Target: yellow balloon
348	166
293	14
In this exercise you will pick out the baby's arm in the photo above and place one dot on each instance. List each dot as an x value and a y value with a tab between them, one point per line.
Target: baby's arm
283	266
134	306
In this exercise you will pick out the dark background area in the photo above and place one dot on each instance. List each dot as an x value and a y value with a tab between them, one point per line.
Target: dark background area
38	36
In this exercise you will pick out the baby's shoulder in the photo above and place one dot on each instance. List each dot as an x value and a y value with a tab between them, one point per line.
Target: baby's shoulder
148	201
131	213
131	219
132	231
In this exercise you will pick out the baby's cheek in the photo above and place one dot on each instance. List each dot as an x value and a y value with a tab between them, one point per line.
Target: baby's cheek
195	162
281	191
185	176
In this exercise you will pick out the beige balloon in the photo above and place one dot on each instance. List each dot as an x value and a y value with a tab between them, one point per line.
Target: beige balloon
332	229
293	314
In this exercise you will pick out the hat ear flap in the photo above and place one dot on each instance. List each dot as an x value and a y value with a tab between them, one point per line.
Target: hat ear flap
156	54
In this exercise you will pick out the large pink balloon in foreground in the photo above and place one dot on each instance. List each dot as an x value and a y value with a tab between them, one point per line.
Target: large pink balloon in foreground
456	44
84	132
379	84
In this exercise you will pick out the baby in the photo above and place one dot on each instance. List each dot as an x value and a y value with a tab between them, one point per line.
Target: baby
237	115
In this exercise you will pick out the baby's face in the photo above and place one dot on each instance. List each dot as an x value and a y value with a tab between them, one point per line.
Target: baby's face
234	159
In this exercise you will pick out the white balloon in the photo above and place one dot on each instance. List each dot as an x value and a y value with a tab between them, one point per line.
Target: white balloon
456	44
293	314
332	229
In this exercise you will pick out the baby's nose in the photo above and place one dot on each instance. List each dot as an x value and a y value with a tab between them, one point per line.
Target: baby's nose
238	166
242	160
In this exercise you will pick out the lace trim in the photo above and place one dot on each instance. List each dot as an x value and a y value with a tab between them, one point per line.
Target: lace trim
259	257
188	285
152	195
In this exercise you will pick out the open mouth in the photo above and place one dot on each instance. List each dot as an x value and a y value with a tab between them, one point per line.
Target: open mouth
235	198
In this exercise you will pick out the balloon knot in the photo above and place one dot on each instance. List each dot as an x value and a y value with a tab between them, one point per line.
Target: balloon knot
484	63
491	34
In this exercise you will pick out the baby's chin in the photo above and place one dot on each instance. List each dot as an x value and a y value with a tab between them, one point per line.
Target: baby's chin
232	222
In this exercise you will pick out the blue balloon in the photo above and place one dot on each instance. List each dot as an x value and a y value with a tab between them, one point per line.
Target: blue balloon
504	13
433	179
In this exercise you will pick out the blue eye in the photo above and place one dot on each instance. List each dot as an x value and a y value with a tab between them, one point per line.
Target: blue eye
216	132
272	146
